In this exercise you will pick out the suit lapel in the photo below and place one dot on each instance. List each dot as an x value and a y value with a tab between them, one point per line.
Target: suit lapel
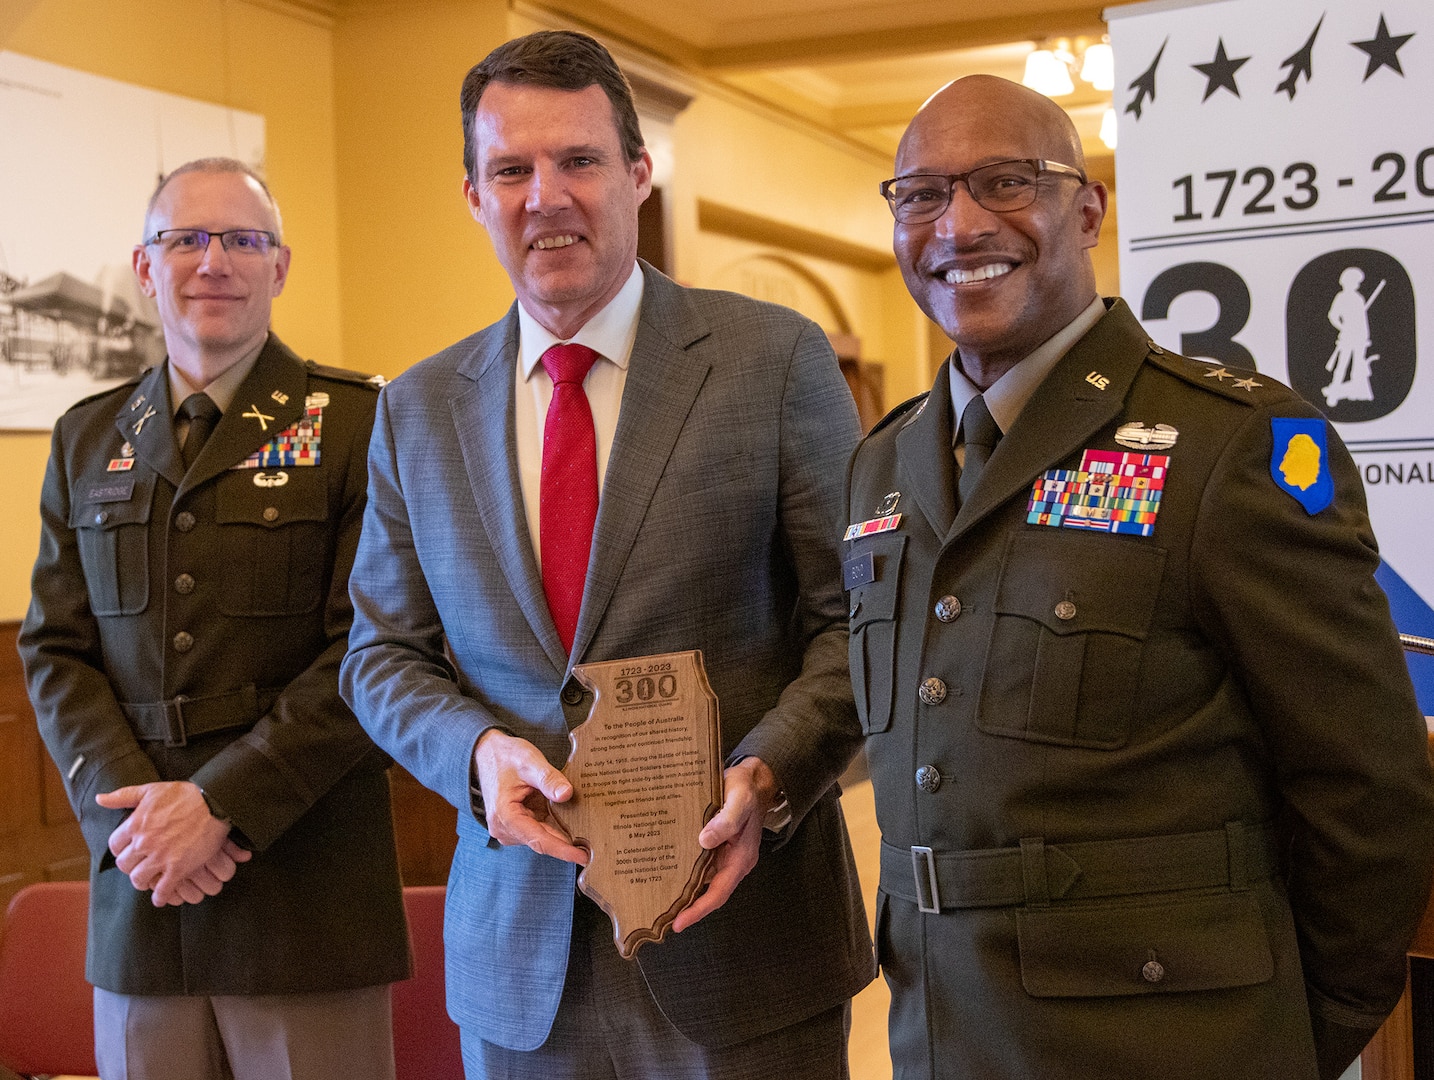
927	463
146	422
483	425
269	399
1063	414
664	377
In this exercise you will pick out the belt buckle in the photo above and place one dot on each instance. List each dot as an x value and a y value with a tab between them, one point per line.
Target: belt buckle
925	883
174	721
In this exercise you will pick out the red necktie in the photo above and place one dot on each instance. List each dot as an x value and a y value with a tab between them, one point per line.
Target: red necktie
569	496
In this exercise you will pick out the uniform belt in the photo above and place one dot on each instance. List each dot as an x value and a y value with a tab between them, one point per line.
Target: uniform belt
176	721
1038	872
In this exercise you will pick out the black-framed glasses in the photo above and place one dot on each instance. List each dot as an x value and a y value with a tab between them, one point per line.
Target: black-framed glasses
196	241
999	187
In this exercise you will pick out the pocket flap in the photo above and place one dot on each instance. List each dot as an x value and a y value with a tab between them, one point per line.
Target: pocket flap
1195	943
284	496
1075	582
111	501
876	600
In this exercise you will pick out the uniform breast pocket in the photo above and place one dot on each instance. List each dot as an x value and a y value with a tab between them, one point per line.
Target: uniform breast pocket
113	538
1072	612
274	541
873	629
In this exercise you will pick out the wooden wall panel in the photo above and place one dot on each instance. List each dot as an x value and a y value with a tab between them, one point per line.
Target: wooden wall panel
39	837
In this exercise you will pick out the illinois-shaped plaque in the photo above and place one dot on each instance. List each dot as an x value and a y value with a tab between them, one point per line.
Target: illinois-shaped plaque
646	770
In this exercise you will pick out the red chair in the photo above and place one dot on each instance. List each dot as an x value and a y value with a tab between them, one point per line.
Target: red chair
47	1020
47	1009
425	1040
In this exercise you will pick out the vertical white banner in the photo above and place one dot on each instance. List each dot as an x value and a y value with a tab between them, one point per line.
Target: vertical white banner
1275	172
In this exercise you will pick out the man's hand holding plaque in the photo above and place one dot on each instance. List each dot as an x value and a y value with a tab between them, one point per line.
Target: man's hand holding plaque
646	771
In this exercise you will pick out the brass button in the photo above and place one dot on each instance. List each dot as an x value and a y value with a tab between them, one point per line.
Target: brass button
183	641
184	521
102	517
271	513
948	609
928	779
1153	971
184	584
932	692
1065	610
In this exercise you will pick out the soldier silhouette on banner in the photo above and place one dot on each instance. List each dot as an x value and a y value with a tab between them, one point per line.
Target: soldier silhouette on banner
1351	361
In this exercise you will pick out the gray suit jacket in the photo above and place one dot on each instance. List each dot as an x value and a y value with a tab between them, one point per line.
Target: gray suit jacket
717	529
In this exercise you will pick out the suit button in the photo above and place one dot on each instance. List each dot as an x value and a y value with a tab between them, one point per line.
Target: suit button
1153	971
183	641
948	609
102	517
933	691
928	779
1065	610
184	521
184	584
271	513
572	693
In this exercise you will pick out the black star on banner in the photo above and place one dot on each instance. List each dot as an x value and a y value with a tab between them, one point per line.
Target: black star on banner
1220	72
1300	63
1144	83
1383	49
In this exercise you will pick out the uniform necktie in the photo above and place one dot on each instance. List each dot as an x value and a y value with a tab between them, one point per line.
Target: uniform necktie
568	497
203	415
980	435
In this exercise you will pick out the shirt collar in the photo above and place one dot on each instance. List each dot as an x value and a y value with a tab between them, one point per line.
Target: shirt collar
222	390
610	333
1008	395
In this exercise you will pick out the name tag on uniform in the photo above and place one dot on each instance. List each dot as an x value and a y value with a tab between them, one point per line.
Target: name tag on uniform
858	571
116	492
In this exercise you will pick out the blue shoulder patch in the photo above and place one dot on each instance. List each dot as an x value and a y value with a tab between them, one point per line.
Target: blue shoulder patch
1299	462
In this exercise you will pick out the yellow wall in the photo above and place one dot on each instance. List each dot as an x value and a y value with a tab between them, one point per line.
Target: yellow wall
418	271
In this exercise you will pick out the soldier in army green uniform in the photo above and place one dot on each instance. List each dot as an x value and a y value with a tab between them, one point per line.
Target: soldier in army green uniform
1150	774
189	612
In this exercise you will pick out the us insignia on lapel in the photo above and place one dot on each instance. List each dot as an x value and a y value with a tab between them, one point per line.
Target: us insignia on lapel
297	444
1110	492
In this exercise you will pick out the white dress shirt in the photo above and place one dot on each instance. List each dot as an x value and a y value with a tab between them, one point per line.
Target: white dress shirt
610	333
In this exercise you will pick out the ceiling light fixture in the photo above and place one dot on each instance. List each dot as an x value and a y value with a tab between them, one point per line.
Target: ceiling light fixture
1051	67
1107	128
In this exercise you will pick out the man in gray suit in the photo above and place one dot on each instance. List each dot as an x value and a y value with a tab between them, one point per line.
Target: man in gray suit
715	429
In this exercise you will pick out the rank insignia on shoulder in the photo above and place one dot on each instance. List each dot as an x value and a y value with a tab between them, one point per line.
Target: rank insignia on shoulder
875	525
1110	492
1139	437
1299	462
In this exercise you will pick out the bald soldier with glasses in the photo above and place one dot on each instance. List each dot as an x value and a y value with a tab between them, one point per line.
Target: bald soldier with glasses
1151	777
189	611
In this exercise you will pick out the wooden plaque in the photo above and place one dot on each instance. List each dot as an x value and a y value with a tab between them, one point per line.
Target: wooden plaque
646	770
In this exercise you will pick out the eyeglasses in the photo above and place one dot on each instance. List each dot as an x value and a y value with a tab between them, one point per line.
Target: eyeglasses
196	241
1000	187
